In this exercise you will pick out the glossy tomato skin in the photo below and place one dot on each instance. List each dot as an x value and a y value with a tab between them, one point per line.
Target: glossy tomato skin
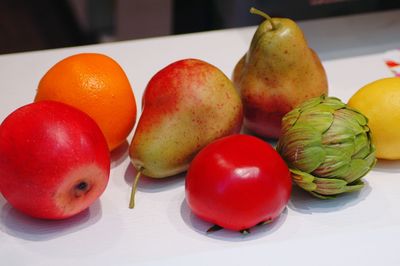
237	182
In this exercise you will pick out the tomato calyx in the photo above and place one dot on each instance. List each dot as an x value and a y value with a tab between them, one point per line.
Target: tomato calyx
214	228
246	231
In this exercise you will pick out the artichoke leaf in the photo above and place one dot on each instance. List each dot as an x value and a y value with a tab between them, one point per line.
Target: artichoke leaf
308	159
333	172
312	102
367	129
335	186
329	182
319	108
358	168
290	119
303	180
330	186
371	159
355	186
362	119
320	121
302	148
337	133
336	164
345	147
361	146
334	103
349	119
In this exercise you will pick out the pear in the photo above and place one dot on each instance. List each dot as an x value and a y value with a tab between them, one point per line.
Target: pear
185	106
278	72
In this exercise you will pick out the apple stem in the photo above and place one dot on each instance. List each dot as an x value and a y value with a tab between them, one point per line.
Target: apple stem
264	15
134	188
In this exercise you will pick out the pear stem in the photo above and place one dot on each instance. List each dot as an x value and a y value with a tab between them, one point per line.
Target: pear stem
134	188
264	15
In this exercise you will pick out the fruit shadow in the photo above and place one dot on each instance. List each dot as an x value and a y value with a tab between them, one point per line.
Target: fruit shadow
387	166
303	202
200	226
119	155
25	227
153	185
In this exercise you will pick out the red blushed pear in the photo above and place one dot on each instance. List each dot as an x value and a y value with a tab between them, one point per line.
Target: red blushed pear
186	105
278	72
54	160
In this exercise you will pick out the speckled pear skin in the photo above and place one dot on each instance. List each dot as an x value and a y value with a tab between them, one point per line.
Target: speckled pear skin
186	105
278	73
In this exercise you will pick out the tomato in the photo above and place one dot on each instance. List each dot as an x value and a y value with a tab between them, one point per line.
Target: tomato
237	182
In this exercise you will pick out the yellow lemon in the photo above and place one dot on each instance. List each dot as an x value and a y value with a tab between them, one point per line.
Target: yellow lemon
379	101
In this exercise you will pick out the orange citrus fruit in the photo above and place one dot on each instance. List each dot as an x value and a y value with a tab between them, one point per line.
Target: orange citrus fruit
97	85
379	101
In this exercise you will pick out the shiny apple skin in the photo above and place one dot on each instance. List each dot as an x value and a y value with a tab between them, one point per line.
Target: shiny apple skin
54	160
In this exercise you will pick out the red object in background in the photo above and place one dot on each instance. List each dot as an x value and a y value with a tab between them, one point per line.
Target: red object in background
238	182
390	63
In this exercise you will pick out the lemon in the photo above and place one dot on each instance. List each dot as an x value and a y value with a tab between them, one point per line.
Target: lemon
379	101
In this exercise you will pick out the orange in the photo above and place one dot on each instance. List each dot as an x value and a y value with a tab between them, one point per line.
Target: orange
97	85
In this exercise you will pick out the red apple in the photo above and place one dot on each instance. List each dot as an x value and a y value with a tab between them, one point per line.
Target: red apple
54	160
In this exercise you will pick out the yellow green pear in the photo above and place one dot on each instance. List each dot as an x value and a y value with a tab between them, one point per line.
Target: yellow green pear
186	105
278	72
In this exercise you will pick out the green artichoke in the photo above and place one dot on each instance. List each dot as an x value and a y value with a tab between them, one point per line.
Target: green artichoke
327	146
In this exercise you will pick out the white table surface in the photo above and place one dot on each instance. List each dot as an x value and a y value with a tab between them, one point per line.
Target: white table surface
356	229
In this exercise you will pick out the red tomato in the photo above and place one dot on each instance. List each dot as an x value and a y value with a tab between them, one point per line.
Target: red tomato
237	182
